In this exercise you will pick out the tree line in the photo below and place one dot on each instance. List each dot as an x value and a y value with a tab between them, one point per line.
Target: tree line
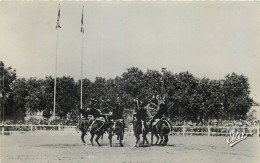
189	97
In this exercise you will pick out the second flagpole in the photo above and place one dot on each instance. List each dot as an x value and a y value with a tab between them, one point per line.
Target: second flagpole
82	48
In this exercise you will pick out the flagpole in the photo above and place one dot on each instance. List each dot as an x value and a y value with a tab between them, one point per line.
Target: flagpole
82	48
55	80
56	60
81	73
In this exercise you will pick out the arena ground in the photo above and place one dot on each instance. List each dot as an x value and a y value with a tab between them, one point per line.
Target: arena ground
67	147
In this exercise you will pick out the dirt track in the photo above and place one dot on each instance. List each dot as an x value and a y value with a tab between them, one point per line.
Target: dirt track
67	147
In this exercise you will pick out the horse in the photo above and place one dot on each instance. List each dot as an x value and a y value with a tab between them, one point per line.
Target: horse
117	128
83	126
98	127
140	127
162	128
139	122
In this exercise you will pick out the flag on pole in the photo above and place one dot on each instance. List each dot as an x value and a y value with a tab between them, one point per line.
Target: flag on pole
82	25
58	19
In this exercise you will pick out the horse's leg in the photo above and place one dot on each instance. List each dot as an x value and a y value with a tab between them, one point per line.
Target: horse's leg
166	140
151	138
121	138
110	139
137	139
146	139
98	136
91	139
157	139
82	137
161	136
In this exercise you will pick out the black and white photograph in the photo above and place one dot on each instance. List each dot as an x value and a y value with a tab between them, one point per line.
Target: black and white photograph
129	81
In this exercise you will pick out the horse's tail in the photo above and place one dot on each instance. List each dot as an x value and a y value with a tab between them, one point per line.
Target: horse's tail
166	128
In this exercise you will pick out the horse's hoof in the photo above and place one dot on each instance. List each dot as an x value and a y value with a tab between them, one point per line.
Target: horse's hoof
84	143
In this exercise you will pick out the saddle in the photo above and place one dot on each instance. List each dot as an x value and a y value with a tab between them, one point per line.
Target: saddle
155	121
119	120
100	119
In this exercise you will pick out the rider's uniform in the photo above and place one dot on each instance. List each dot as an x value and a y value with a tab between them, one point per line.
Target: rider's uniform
106	108
94	109
162	111
141	112
118	111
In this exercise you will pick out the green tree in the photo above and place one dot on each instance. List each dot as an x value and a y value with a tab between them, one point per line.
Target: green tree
8	76
236	96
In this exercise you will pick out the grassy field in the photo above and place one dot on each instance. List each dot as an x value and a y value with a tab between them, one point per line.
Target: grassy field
67	147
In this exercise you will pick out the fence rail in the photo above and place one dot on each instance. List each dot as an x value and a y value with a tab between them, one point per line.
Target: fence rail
213	130
31	128
177	130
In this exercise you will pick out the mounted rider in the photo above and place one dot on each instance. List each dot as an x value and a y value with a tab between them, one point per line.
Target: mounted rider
118	111
140	115
106	107
92	109
162	110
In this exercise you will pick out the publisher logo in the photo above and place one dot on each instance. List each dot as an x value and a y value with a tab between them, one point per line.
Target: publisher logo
235	138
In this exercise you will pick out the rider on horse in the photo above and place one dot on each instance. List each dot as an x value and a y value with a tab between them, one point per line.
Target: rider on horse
92	109
106	107
163	111
141	113
118	111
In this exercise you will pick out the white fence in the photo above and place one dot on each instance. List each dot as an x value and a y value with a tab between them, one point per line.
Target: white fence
176	130
32	128
213	130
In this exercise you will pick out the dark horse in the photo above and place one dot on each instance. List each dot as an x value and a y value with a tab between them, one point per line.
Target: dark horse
139	122
83	126
162	129
96	126
117	128
140	127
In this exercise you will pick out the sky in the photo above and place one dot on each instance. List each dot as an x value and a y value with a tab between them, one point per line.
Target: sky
208	39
